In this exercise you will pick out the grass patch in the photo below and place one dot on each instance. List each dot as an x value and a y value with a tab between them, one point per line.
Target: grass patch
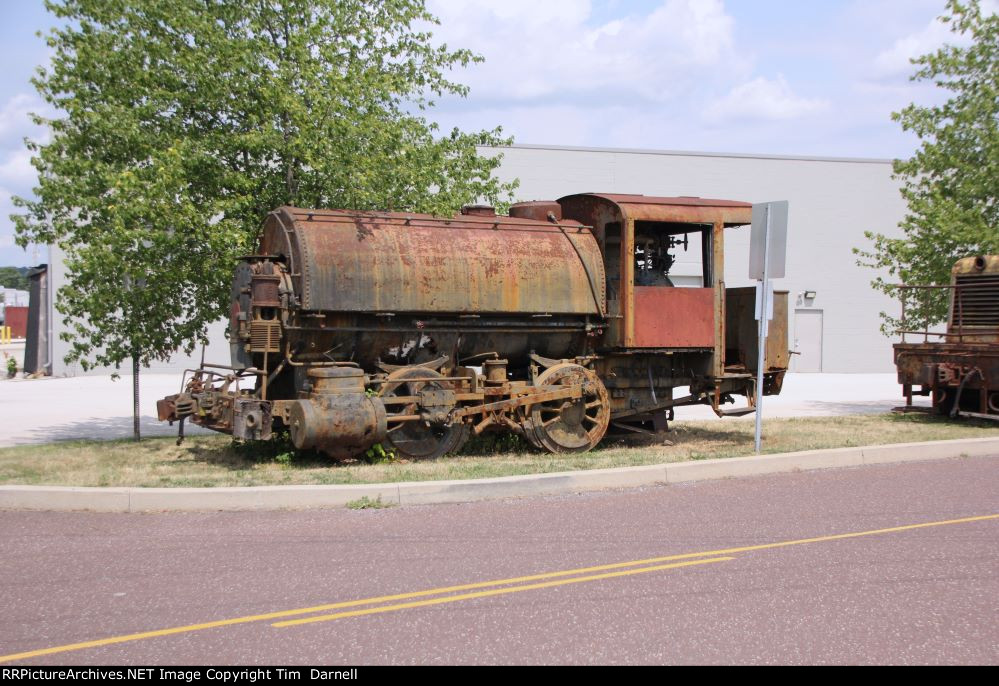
366	503
218	461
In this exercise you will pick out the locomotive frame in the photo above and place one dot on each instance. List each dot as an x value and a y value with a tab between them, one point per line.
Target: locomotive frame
556	322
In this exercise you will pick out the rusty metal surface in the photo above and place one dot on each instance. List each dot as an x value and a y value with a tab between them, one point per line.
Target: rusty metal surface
742	334
575	426
942	369
406	340
909	356
718	283
960	370
974	313
607	225
678	209
686	200
674	317
420	439
251	420
612	218
988	264
399	263
478	211
341	425
538	210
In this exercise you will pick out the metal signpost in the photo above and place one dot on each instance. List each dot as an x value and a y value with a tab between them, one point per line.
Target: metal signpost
767	252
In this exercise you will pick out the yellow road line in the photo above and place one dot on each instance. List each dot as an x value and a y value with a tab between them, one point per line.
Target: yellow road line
495	591
838	537
470	586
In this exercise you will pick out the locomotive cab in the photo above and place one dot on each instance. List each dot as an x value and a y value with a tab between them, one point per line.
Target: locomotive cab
670	323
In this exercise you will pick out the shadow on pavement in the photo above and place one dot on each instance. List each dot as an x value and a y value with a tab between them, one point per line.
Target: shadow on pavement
851	407
103	429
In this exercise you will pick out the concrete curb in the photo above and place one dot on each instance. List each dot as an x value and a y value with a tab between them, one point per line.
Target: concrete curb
68	499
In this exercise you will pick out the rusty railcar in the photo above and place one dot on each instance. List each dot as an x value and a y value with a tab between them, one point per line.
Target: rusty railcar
959	368
555	322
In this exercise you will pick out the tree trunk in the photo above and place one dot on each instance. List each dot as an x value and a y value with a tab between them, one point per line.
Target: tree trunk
135	396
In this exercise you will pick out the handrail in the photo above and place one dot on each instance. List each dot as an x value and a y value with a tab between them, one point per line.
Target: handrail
956	323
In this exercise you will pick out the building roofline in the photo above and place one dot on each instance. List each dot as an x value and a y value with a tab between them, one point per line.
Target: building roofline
690	153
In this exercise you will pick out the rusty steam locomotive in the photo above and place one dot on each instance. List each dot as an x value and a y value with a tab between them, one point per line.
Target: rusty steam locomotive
555	322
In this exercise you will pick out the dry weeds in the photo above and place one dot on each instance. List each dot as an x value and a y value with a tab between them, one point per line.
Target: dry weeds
217	461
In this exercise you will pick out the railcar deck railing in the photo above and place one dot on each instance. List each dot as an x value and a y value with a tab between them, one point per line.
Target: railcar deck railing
973	308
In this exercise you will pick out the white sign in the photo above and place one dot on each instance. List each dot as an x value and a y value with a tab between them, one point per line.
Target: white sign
774	240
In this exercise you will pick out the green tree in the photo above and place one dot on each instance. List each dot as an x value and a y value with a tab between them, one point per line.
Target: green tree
951	184
13	277
183	122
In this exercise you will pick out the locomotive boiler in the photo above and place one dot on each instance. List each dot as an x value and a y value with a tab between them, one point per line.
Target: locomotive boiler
556	322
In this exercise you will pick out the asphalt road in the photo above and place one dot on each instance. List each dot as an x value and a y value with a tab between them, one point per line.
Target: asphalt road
891	564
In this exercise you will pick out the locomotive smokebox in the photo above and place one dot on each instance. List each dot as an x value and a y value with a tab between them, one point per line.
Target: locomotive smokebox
337	417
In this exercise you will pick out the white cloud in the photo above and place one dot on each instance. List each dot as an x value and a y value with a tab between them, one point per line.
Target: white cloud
762	99
16	170
678	75
536	50
14	119
10	253
17	176
896	60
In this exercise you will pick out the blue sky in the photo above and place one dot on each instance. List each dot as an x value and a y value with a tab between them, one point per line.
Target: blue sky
814	77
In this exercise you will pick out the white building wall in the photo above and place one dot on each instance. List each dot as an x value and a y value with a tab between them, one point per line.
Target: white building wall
832	203
14	297
217	350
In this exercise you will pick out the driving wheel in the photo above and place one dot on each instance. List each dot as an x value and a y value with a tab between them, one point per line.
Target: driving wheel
414	439
571	425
